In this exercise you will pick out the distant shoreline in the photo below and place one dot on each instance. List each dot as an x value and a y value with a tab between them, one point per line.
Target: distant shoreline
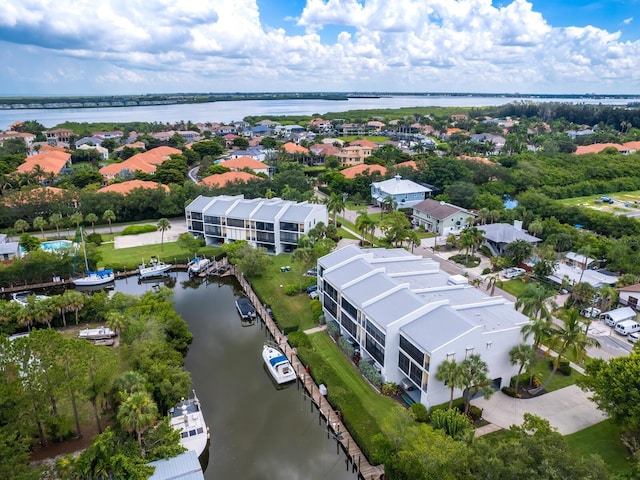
67	102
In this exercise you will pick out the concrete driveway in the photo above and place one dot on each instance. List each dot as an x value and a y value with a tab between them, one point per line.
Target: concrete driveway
152	238
568	409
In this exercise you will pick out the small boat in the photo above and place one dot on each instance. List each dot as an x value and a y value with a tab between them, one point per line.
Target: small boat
107	342
92	278
245	308
155	268
23	297
198	265
186	417
278	364
96	333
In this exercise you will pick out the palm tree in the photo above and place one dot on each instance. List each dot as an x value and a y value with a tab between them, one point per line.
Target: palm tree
492	281
539	328
473	378
567	338
335	205
56	220
109	217
76	218
523	355
21	225
92	218
365	223
269	194
116	321
163	225
448	372
389	204
74	300
608	297
137	413
39	223
534	301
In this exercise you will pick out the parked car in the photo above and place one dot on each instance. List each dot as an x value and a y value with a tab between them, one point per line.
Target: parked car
312	288
627	327
312	272
313	295
634	337
590	312
513	272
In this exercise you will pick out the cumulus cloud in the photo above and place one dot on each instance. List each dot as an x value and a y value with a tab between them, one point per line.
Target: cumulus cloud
392	45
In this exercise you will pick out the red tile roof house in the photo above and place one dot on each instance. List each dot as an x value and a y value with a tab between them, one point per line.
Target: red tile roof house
241	163
229	138
27	138
146	162
220	180
124	188
363	169
597	148
50	163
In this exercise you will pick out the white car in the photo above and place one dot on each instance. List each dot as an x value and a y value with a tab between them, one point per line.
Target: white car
634	337
513	272
313	295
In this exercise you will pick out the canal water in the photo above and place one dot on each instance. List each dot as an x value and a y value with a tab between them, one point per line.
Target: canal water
257	430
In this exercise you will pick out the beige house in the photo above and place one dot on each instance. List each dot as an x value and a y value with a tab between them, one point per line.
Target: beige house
441	218
353	155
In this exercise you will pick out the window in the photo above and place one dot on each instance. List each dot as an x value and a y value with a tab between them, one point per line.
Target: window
375	333
350	309
468	352
235	222
412	350
375	350
403	362
489	345
349	325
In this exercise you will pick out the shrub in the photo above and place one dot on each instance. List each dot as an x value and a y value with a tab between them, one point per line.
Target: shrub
511	392
345	346
291	289
475	413
332	329
565	368
299	339
454	423
95	238
420	412
390	389
486	270
370	373
137	229
316	307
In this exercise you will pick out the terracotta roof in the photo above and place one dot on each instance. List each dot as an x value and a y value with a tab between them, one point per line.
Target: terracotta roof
451	131
221	179
49	194
230	136
50	148
132	145
597	148
630	288
364	143
484	160
51	162
351	172
324	149
291	147
631	145
244	162
126	187
410	163
143	162
375	123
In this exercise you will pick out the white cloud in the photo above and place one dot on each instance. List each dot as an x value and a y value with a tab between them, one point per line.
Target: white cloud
627	21
393	45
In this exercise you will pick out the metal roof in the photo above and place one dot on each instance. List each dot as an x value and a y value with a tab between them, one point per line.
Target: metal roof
436	328
185	466
243	209
297	213
199	203
506	233
392	307
267	212
398	186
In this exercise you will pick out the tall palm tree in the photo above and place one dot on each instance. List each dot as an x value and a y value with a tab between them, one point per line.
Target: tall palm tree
109	217
163	225
39	223
533	301
21	225
539	328
523	355
473	378
75	301
567	338
389	204
335	205
116	321
448	372
92	218
365	223
56	220
137	413
492	281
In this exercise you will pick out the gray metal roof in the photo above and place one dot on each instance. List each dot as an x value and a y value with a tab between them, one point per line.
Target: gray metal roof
199	203
455	295
494	317
392	307
243	209
505	233
436	328
621	313
267	212
9	248
338	256
3	238
398	186
348	272
220	206
185	466
367	288
439	210
297	213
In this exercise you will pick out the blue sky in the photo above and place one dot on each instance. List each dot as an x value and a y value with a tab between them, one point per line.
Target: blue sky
147	46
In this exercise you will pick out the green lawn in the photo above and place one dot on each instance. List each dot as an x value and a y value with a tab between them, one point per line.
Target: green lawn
515	287
291	312
363	408
130	258
542	371
604	439
371	138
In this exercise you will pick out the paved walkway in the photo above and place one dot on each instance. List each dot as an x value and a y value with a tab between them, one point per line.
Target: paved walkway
151	238
568	409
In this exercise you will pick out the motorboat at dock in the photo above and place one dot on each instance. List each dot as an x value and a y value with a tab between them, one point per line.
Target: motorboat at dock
187	418
96	333
154	268
278	364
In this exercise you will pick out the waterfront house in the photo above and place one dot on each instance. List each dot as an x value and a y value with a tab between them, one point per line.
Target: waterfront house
50	162
59	136
353	155
498	235
404	193
441	218
27	138
407	317
273	224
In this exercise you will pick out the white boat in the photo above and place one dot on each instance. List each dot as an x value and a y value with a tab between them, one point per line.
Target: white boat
155	268
197	265
23	297
92	278
186	417
278	364
96	333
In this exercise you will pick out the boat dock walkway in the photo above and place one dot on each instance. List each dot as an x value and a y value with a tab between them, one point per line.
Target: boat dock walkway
215	268
355	458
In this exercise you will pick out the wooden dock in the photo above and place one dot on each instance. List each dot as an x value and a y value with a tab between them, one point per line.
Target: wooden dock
216	268
355	459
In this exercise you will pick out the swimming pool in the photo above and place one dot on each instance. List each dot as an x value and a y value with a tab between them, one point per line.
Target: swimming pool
56	245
